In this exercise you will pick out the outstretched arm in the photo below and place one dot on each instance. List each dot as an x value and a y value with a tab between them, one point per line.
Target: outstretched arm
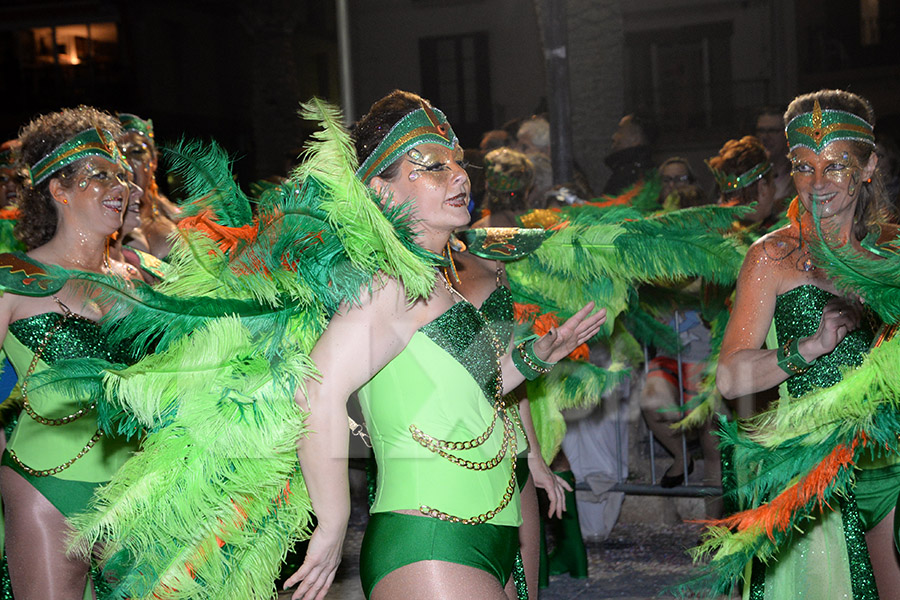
557	343
356	344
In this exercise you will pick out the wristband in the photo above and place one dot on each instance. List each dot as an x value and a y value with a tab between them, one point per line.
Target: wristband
789	359
527	362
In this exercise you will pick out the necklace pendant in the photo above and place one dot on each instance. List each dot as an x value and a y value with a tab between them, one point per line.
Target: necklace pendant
808	264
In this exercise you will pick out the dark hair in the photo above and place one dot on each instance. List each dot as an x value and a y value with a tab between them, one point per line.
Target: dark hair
375	125
39	138
647	124
871	205
737	157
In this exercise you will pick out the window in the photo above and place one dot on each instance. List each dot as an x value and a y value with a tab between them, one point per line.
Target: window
683	77
456	78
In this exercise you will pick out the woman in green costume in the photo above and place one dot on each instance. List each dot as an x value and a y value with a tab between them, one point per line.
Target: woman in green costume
158	213
819	330
432	375
56	455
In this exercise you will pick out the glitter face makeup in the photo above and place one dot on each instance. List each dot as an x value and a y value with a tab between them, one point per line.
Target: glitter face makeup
433	178
140	155
436	162
100	193
828	182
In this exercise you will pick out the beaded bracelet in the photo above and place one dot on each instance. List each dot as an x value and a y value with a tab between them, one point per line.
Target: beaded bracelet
789	359
527	362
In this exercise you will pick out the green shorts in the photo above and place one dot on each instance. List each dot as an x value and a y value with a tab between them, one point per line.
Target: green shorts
877	492
394	540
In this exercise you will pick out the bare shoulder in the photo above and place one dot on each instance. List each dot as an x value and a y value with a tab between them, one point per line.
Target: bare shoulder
775	250
384	309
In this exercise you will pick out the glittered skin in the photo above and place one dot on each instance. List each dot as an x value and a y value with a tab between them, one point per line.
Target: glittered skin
797	315
829	182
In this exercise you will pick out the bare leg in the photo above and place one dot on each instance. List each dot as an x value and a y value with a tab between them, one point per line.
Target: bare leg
659	393
36	535
438	580
885	560
529	541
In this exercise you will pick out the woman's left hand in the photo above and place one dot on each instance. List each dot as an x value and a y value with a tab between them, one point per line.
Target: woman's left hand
555	486
560	341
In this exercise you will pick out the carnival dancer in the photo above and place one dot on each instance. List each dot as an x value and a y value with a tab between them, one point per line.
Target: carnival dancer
808	511
446	511
56	455
158	213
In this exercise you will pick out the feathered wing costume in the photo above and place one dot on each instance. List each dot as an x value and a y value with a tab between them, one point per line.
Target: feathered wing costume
604	252
804	451
213	501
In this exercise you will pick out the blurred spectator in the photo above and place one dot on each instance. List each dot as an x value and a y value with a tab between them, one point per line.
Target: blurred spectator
675	173
769	130
744	175
496	138
630	153
508	177
12	174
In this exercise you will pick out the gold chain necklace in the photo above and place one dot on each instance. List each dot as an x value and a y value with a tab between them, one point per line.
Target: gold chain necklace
52	422
507	445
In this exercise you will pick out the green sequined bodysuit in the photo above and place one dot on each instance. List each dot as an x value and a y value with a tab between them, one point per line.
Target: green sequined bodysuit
829	559
41	446
441	384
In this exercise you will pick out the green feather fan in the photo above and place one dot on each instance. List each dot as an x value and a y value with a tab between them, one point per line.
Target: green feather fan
205	172
603	255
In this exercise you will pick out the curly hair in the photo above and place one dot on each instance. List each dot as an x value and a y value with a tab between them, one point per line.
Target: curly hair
375	125
871	204
737	157
39	138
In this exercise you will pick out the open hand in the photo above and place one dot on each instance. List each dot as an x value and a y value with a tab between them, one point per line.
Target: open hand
560	341
555	486
315	575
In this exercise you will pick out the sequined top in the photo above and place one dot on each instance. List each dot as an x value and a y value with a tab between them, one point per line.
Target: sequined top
498	310
442	383
41	446
797	315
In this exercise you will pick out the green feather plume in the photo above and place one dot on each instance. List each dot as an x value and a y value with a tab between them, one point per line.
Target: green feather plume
203	511
205	171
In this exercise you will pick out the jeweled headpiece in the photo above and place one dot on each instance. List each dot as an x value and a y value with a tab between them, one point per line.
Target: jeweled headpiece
732	183
424	125
134	123
818	128
90	142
